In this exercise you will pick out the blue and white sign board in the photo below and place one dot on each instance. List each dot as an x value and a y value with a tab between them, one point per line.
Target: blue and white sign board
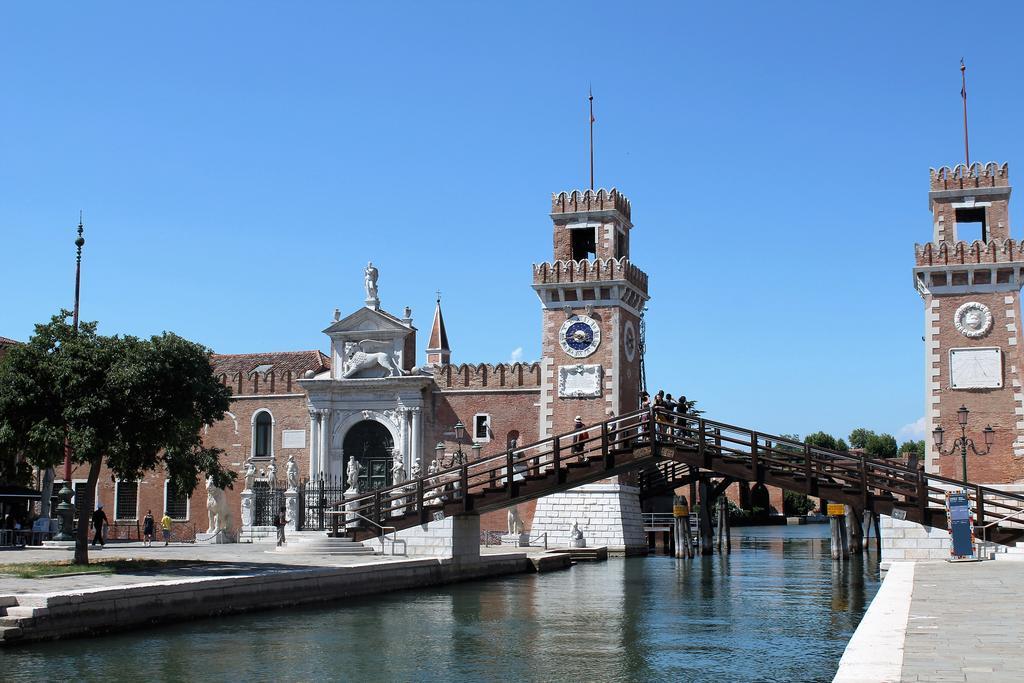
961	525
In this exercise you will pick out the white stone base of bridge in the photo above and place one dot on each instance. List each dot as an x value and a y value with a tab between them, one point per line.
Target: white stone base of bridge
456	537
903	540
607	514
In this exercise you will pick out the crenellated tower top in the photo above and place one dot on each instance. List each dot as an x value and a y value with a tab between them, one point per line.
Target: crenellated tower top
970	203
587	201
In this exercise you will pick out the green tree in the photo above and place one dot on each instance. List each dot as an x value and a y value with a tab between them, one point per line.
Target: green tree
131	403
882	446
826	440
860	437
913	448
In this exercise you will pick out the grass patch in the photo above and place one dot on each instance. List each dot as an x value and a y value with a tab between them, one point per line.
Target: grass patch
39	570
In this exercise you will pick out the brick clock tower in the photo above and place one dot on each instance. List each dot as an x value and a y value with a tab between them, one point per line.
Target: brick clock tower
970	276
593	299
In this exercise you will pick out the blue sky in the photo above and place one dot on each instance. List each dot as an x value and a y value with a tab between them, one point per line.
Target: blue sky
239	163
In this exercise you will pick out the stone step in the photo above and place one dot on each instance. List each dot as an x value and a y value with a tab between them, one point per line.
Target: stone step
10	633
27	611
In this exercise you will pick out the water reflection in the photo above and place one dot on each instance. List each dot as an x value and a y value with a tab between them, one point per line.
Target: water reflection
777	609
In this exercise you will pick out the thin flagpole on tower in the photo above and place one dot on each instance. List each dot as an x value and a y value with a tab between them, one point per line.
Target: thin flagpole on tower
590	97
963	96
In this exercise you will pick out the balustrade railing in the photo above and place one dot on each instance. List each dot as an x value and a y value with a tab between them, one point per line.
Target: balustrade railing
802	467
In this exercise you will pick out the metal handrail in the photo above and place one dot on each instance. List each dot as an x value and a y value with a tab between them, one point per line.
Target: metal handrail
383	529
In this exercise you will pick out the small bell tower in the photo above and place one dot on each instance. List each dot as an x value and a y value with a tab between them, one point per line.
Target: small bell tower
593	298
970	276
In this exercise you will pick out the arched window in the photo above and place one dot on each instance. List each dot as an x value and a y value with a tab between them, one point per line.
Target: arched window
262	444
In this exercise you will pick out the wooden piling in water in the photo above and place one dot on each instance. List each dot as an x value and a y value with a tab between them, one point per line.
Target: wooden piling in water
837	529
707	534
854	530
681	527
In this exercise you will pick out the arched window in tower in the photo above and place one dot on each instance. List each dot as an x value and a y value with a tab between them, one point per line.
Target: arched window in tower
262	432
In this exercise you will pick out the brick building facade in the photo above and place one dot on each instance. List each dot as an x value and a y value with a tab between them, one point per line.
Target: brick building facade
369	400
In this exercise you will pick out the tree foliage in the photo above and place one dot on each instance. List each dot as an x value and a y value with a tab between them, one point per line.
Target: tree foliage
826	440
876	445
134	404
913	447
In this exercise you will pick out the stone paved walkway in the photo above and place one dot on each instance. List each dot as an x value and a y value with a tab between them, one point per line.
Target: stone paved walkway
965	623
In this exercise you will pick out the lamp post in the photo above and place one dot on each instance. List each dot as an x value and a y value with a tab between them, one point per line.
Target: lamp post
459	456
65	510
963	443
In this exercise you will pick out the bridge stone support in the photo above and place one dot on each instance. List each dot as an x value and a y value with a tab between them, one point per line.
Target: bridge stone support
456	537
903	540
608	514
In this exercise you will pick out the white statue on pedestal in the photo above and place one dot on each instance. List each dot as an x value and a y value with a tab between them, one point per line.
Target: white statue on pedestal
415	472
516	525
576	537
370	282
397	467
272	472
250	474
216	508
292	472
352	474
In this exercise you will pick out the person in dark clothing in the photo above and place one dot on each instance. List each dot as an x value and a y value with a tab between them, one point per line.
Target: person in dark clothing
99	518
147	529
281	521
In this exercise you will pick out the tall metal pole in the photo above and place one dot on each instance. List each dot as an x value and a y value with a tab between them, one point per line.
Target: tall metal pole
65	510
963	450
963	95
79	243
591	98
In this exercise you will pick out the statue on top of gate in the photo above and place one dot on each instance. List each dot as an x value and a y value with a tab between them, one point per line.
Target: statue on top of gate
292	472
352	474
397	467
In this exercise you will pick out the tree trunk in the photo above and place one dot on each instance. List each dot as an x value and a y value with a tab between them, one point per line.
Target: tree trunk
85	521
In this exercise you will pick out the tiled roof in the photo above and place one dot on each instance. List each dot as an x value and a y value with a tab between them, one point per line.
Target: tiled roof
296	361
4	341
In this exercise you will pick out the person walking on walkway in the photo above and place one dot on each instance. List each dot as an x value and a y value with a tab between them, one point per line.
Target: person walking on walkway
147	529
99	518
166	522
280	520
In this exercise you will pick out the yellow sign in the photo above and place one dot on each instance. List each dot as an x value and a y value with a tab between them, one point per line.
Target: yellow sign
680	511
836	509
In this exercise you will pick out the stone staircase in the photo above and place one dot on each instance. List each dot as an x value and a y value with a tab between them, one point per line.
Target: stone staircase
14	617
321	544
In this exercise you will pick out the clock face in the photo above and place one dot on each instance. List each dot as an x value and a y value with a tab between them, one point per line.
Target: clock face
629	340
579	336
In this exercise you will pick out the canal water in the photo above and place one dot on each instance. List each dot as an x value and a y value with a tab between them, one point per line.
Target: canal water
776	609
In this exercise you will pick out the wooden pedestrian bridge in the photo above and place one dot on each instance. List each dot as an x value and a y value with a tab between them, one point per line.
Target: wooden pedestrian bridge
664	450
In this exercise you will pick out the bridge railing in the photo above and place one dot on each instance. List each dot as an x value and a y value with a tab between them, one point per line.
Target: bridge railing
817	465
656	428
492	473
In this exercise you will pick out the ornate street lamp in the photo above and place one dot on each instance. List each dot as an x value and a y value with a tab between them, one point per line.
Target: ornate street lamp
459	456
962	442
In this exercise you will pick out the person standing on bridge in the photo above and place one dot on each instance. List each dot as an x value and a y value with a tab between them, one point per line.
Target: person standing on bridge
645	405
579	439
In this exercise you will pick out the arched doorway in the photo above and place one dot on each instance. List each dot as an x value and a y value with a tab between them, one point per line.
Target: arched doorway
370	443
760	502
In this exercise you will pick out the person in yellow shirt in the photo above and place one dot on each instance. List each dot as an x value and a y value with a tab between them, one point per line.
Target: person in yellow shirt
165	522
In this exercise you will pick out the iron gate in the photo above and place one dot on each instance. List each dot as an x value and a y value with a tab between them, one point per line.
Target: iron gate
267	502
315	499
